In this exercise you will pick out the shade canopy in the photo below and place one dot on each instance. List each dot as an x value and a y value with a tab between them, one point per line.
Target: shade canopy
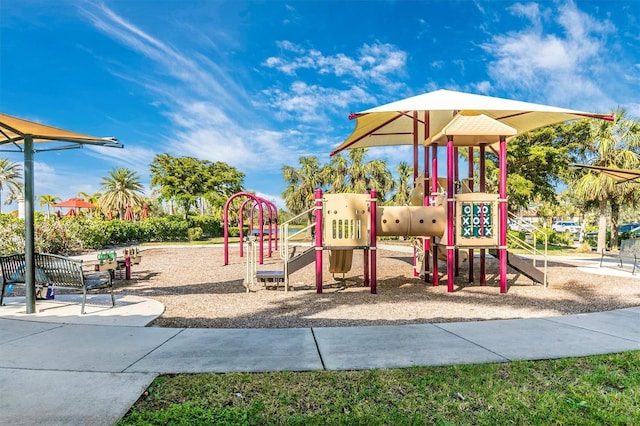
76	203
424	117
619	175
17	134
13	130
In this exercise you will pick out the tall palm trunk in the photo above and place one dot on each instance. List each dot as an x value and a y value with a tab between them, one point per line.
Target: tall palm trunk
615	216
602	226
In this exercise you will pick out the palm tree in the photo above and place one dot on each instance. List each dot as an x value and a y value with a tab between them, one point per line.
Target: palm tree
353	174
49	201
403	192
612	144
301	186
121	187
10	176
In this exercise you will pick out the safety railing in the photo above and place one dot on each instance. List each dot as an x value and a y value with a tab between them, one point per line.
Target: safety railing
285	237
530	248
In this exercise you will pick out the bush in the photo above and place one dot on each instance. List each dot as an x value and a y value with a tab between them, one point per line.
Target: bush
194	233
585	247
11	234
561	238
210	227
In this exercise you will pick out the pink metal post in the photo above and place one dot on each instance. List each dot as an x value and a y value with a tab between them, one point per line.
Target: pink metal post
470	170
318	239
365	261
225	230
415	176
483	188
450	207
502	221
373	236
434	189
456	178
273	221
427	241
241	223
225	216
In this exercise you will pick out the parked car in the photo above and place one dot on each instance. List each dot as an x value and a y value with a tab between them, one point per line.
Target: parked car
635	232
565	226
627	227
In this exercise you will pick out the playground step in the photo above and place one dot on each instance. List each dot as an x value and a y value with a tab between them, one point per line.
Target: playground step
270	276
521	265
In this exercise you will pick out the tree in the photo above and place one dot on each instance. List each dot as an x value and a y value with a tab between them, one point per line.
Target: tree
187	181
537	162
613	144
49	201
93	199
301	186
121	187
353	174
404	188
10	177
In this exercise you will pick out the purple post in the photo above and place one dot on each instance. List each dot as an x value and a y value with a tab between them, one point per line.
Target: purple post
365	261
226	224
225	230
450	208
241	224
427	241
273	221
483	188
434	189
372	244
502	221
470	170
318	230
456	178
261	232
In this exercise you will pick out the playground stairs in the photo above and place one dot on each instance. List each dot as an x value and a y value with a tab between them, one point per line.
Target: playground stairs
294	264
522	265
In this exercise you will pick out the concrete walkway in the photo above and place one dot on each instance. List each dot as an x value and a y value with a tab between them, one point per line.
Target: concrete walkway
60	367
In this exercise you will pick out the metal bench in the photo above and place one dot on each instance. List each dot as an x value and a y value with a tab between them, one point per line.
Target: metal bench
60	271
629	251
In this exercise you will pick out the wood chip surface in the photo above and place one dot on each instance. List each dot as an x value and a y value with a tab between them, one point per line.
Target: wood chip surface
198	291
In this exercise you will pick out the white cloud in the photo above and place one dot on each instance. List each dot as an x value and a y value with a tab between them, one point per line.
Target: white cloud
562	67
374	63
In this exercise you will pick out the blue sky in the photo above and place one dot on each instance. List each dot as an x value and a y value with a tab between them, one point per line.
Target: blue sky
257	84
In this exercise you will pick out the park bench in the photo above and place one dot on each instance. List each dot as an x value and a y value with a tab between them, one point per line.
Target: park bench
51	269
629	251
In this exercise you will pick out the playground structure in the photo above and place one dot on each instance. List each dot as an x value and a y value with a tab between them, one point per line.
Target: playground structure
473	218
347	222
452	217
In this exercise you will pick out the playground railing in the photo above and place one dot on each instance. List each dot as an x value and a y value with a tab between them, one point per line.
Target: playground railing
285	237
530	248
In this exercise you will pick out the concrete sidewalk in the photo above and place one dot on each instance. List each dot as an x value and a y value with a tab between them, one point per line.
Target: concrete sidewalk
60	367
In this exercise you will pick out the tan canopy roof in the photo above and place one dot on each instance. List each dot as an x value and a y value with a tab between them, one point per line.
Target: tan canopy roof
426	115
13	130
619	175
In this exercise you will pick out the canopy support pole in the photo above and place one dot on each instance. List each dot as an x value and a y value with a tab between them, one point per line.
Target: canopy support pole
29	240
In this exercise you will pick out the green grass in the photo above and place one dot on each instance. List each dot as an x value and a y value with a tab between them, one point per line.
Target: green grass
596	390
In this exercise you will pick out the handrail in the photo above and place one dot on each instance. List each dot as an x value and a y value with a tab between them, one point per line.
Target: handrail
284	233
528	247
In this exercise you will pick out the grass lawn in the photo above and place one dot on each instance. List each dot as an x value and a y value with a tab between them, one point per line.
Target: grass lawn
596	390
